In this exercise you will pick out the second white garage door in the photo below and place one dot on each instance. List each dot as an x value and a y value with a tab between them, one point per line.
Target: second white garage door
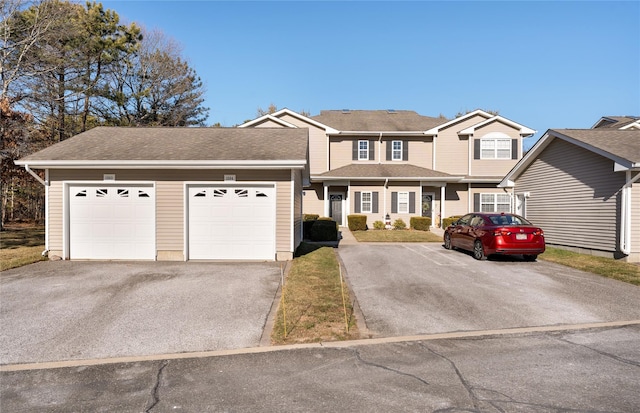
231	222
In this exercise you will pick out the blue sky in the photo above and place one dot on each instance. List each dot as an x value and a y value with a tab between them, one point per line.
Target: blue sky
542	64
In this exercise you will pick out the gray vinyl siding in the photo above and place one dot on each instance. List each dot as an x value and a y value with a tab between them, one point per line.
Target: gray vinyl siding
297	209
574	197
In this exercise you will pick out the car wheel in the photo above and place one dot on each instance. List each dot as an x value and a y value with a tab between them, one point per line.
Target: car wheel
447	241
478	250
530	257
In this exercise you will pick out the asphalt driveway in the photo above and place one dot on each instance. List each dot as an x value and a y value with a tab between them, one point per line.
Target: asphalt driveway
408	289
63	310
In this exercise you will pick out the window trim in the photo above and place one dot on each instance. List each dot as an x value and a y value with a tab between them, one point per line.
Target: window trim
495	148
395	151
495	202
399	209
362	202
361	150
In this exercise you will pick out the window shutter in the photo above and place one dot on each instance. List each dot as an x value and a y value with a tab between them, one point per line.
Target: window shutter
372	150
389	148
355	150
374	202
476	202
476	149
405	150
514	149
412	202
356	201
394	202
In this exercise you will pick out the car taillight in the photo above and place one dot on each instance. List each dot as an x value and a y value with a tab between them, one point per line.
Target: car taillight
538	232
501	232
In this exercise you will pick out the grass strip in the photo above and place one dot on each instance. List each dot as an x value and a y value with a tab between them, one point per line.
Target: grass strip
313	301
400	235
606	267
17	257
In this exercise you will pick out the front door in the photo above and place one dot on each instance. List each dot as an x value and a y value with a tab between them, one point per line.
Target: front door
427	206
335	207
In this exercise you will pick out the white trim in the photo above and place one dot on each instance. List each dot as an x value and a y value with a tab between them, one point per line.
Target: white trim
434	131
393	150
165	164
495	137
292	231
524	131
283	111
46	212
367	150
398	202
452	179
342	204
370	211
635	124
270	184
267	117
66	210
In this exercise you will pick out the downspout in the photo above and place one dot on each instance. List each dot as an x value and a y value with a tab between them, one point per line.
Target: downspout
45	183
380	148
625	214
386	182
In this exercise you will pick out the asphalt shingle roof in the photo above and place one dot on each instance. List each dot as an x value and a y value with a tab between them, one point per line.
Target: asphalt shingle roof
616	122
624	144
371	170
179	144
377	120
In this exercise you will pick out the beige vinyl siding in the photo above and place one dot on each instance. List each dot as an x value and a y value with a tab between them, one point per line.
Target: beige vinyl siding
313	200
456	200
574	197
370	187
267	123
420	150
452	151
55	206
297	209
317	145
495	167
402	187
341	151
170	191
283	217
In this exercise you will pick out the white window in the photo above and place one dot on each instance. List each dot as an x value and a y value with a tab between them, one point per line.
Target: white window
495	203
365	202
498	148
403	202
363	150
396	150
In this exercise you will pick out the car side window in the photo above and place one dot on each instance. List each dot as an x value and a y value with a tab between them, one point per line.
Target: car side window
476	221
464	220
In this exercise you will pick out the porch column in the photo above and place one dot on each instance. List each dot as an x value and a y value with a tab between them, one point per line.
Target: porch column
442	196
326	199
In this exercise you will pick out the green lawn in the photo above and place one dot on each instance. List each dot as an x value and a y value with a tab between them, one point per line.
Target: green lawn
400	235
21	245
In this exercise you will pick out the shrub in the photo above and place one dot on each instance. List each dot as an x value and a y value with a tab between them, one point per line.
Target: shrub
420	223
310	217
357	222
399	224
448	221
320	230
378	225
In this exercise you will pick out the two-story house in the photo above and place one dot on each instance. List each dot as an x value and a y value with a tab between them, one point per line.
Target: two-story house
400	164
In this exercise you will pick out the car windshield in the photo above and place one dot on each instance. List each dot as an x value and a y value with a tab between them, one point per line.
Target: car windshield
508	220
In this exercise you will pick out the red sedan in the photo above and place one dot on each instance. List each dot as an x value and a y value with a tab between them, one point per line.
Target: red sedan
495	233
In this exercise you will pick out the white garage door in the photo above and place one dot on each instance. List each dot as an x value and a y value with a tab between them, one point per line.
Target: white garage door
112	222
232	222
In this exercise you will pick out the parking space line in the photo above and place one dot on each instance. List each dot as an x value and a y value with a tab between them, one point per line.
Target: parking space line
434	255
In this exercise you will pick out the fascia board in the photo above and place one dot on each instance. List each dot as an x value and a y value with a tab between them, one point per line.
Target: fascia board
635	124
285	111
523	129
278	164
434	131
265	118
527	159
376	133
390	178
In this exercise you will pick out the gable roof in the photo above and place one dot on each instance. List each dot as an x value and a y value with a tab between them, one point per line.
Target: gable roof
620	146
617	122
376	120
489	118
385	171
176	147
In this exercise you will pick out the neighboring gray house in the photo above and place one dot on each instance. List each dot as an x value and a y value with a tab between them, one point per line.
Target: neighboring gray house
582	186
174	193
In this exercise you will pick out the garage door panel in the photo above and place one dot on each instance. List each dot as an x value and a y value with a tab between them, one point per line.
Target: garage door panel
112	222
231	222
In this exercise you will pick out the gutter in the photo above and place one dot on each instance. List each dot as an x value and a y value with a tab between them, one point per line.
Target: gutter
625	213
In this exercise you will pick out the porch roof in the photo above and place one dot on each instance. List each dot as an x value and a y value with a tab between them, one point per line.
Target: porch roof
396	172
